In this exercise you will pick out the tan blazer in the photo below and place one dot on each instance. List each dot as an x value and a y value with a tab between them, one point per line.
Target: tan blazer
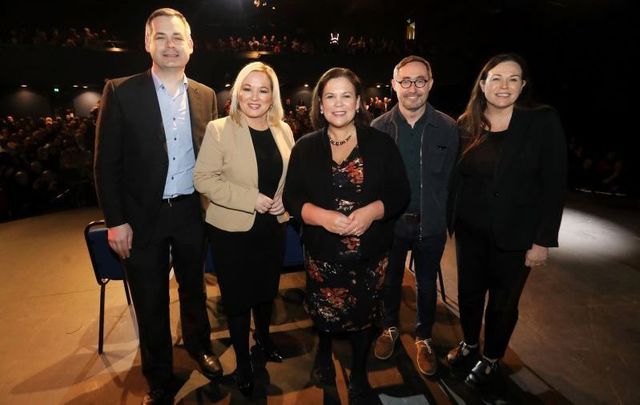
226	173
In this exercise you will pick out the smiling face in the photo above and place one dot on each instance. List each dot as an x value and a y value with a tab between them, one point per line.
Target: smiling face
339	102
169	43
255	97
412	99
503	85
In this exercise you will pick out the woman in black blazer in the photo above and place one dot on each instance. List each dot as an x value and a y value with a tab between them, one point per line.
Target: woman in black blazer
506	206
346	183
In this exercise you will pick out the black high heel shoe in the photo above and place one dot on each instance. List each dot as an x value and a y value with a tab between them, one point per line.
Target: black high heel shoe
267	348
245	381
323	373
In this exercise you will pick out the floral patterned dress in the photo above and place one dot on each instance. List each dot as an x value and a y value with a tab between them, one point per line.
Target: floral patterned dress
346	295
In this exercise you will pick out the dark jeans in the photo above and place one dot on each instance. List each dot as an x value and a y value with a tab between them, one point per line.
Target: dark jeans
482	268
427	252
179	231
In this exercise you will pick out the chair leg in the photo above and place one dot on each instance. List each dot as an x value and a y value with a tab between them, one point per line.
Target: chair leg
442	294
126	291
101	321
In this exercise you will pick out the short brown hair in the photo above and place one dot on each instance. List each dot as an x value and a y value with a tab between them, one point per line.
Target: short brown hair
409	59
317	119
167	12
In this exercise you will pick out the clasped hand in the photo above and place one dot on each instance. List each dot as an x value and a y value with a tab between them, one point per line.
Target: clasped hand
357	223
265	204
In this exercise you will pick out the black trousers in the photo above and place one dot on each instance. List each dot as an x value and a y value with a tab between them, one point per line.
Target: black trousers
179	237
427	253
484	268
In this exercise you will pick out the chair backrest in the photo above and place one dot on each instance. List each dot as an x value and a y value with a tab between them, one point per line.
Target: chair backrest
293	255
106	263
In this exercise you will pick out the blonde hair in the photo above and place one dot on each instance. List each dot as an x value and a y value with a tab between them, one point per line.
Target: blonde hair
166	12
275	112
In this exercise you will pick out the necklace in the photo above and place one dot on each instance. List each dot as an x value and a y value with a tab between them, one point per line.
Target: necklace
340	142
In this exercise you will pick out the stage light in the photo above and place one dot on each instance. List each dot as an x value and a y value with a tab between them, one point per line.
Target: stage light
227	85
56	90
23	86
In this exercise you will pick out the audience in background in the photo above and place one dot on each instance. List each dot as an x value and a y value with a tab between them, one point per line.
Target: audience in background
44	163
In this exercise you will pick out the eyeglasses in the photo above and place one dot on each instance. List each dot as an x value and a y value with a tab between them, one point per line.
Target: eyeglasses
406	83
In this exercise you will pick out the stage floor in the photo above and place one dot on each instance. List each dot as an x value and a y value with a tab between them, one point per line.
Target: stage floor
577	341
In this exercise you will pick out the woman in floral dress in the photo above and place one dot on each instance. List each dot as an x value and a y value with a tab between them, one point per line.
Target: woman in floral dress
347	184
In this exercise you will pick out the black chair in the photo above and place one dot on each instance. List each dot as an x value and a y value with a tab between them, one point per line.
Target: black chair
412	269
293	252
106	267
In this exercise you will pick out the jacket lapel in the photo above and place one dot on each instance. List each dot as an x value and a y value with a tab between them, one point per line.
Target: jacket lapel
153	109
195	114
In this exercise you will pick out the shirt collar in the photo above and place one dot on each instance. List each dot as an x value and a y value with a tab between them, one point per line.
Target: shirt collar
424	118
158	83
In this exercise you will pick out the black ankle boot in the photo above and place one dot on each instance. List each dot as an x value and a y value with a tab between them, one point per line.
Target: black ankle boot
483	373
267	348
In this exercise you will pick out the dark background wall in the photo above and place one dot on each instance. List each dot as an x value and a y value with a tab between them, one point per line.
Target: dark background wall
580	52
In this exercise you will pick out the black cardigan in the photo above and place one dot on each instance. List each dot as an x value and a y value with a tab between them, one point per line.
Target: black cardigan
309	180
527	195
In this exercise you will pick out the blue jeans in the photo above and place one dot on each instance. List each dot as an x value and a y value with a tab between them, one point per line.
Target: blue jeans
427	252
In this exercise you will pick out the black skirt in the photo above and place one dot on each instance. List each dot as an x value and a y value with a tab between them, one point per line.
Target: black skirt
248	263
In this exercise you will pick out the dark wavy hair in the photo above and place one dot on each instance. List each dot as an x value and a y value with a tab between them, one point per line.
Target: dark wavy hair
473	122
318	121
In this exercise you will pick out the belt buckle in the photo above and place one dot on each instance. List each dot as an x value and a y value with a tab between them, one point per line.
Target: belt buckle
412	218
170	199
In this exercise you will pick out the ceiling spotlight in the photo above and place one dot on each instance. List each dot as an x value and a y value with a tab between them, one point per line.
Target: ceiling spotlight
306	85
227	85
23	86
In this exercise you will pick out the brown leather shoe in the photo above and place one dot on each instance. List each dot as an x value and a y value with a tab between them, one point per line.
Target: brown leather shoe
459	354
426	357
386	343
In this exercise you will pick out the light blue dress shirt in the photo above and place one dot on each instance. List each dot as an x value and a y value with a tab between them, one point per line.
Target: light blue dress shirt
176	120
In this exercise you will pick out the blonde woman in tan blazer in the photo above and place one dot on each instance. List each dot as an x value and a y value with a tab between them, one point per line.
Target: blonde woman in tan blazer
241	170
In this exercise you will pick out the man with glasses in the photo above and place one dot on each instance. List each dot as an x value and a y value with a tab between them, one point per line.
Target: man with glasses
428	141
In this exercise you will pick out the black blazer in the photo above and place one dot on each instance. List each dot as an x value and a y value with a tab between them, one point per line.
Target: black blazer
309	180
527	195
131	160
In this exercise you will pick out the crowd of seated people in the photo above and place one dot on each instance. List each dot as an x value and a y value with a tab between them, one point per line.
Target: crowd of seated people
69	37
598	169
45	163
284	44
